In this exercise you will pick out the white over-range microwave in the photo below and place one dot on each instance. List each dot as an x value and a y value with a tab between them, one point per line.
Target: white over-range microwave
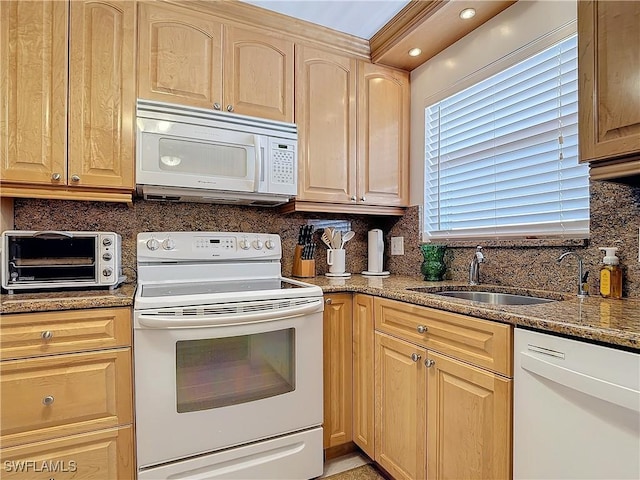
194	154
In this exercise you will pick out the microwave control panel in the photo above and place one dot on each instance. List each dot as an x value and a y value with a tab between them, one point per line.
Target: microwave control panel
283	177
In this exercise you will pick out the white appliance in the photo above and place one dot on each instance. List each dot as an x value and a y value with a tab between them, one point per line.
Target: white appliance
375	254
228	360
199	155
60	260
576	409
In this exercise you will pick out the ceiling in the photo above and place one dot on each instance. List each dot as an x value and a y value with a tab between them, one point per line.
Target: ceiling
393	27
360	18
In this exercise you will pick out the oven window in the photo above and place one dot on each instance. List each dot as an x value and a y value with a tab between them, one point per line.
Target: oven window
217	372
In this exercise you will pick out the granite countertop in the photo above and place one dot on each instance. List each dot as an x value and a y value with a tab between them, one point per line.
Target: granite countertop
615	322
67	300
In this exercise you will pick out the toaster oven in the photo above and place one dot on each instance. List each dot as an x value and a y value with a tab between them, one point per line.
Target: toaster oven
34	260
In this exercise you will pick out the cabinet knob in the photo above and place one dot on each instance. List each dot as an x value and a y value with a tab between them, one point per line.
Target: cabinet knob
422	329
47	335
363	198
429	363
56	176
48	400
415	357
75	178
229	108
353	198
216	106
328	301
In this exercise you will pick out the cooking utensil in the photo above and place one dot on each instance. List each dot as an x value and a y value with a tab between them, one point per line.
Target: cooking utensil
327	236
336	241
347	236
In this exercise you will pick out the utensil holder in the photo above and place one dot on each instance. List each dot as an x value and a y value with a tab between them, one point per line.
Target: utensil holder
302	268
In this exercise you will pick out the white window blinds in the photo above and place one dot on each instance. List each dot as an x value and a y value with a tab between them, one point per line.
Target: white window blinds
502	155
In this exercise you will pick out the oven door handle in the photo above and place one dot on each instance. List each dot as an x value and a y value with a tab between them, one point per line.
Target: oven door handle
166	321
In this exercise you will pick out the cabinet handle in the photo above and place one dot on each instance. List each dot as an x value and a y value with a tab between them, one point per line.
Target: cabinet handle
429	363
229	108
56	176
47	335
415	357
422	329
75	178
353	198
363	199
48	400
216	106
328	301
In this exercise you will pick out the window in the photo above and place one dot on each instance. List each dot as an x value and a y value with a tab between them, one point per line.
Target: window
502	155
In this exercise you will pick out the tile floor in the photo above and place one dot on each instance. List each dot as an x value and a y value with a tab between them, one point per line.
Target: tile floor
344	463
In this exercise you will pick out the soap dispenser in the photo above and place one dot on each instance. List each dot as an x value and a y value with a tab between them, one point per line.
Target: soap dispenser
610	274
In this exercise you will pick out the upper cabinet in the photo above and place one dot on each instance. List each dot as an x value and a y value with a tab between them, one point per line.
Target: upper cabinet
353	129
609	87
383	135
192	58
67	135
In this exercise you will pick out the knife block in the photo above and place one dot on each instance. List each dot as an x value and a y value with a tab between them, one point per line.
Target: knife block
302	268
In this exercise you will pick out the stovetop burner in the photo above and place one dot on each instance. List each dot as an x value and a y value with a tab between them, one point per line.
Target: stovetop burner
201	288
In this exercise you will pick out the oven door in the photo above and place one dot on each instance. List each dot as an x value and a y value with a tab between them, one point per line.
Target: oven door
222	382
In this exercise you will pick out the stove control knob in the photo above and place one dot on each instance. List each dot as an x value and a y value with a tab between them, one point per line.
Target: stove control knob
168	244
257	244
106	241
153	244
244	244
107	272
107	256
270	244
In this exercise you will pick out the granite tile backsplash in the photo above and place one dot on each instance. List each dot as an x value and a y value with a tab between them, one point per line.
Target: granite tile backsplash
615	219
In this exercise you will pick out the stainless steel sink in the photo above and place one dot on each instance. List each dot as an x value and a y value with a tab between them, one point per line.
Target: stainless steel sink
494	298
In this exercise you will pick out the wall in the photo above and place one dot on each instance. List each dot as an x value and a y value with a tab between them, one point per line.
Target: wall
148	216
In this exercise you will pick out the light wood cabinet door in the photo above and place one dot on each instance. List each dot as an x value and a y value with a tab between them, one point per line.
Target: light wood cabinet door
363	374
101	94
383	135
105	454
48	397
258	74
609	84
179	56
45	333
326	118
401	407
481	342
469	421
33	91
337	338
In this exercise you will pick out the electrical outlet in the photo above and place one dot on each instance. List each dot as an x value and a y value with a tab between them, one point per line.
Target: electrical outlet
397	245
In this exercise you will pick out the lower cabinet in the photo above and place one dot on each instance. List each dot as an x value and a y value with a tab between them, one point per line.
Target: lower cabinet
363	374
401	407
66	400
443	394
337	339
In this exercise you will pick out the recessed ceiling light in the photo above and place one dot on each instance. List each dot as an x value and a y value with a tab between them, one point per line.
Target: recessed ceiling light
414	52
468	13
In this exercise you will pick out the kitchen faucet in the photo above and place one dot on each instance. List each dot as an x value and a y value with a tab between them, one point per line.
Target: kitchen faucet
582	279
474	267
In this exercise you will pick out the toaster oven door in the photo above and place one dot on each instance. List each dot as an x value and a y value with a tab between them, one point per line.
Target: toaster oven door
44	259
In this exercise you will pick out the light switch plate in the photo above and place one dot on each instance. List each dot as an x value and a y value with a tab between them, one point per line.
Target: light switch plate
397	245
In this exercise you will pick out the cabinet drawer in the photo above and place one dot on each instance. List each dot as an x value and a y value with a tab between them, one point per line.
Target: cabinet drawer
43	398
106	454
35	334
481	342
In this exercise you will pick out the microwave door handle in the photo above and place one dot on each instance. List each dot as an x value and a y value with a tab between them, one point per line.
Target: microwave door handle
52	234
259	163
